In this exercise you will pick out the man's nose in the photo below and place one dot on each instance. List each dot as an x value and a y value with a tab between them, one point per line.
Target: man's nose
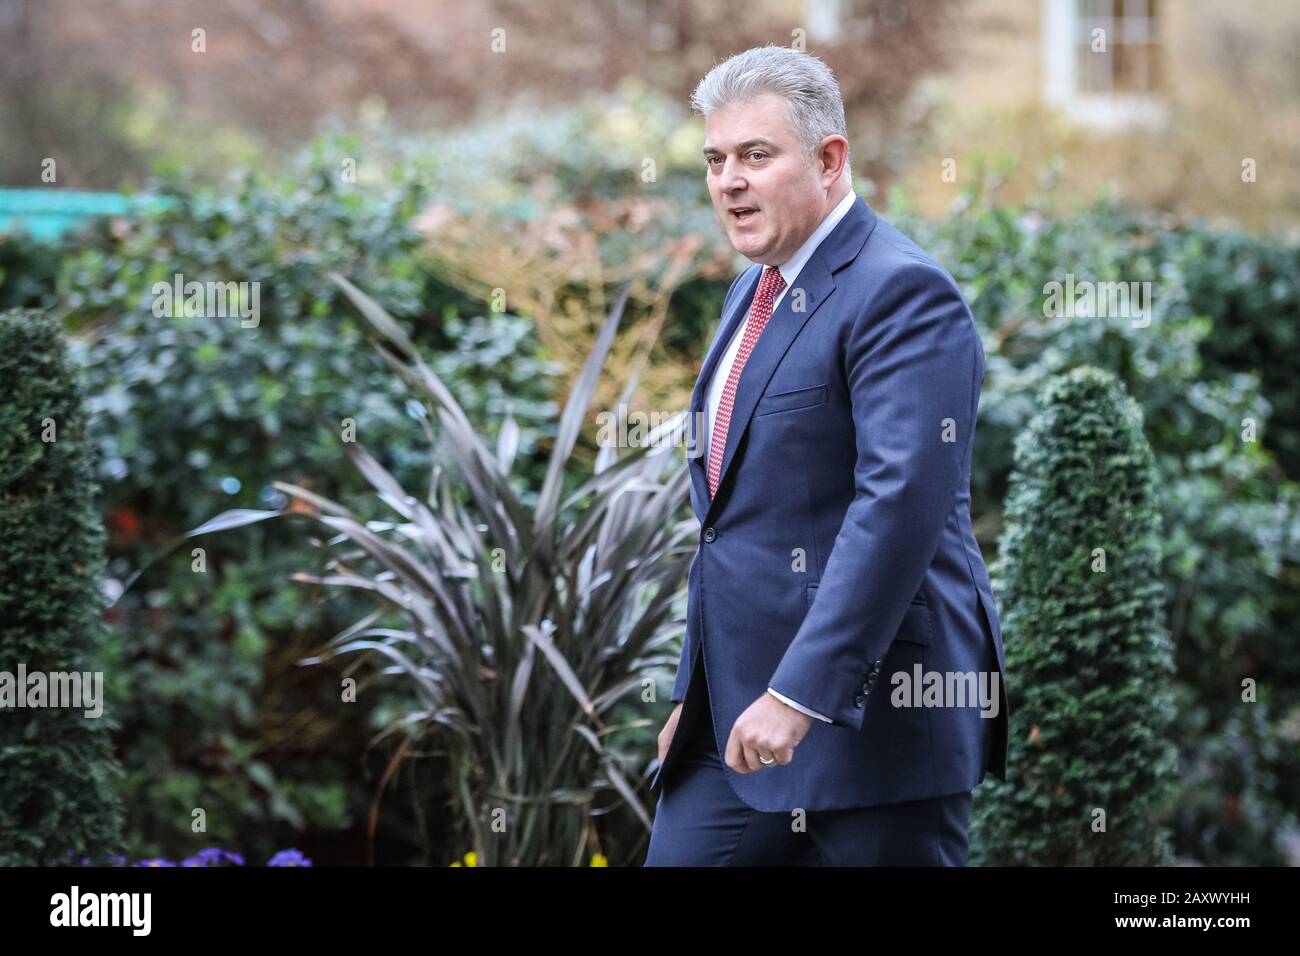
733	177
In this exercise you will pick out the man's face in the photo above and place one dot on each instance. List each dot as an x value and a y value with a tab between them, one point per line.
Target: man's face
755	161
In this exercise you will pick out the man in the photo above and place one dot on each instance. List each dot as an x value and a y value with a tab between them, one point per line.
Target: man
836	564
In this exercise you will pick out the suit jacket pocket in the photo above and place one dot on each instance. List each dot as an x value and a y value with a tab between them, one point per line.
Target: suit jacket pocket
917	627
788	401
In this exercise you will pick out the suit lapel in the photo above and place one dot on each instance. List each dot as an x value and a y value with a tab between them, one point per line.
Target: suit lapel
735	315
737	312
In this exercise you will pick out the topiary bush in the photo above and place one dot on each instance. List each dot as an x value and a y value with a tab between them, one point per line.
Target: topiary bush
57	770
1092	766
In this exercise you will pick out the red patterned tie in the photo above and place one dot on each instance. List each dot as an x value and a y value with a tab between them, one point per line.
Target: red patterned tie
760	310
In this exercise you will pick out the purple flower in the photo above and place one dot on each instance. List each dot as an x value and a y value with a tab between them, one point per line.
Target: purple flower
213	856
288	858
157	861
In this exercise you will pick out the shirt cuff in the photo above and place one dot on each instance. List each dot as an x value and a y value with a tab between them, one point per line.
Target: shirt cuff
799	707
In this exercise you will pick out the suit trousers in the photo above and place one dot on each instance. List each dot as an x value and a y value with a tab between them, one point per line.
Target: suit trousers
700	820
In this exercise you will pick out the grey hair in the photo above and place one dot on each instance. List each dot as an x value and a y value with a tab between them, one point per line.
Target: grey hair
816	109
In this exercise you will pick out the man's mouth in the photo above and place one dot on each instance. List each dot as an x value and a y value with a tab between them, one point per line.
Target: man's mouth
742	213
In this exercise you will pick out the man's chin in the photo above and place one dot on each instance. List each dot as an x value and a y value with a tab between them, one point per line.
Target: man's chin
749	246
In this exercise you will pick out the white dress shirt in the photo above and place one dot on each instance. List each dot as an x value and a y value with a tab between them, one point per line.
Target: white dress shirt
790	270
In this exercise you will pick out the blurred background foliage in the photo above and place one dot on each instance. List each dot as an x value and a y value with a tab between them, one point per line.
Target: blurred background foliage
195	414
498	229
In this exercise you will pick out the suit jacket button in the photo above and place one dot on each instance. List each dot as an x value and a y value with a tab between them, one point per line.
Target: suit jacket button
709	534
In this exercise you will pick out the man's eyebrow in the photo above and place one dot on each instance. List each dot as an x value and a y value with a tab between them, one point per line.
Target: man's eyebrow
747	144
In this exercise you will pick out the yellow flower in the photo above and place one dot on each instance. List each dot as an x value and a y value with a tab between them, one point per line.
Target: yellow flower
599	860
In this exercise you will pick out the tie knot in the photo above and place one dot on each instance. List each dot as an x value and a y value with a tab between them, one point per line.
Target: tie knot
772	281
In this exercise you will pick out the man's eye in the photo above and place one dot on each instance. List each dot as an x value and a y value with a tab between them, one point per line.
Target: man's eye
757	152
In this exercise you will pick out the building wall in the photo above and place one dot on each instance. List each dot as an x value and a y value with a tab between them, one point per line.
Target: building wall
1229	94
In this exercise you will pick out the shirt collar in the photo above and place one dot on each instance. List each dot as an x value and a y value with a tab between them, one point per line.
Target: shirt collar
791	268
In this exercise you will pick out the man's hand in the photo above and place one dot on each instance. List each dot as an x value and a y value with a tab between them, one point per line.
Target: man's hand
666	735
770	727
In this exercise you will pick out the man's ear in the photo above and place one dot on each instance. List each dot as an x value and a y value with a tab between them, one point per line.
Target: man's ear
833	154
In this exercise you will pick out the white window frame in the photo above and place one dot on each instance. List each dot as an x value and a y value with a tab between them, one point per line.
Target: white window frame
1061	23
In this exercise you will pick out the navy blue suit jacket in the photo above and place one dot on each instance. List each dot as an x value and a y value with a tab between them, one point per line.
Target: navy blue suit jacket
839	548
